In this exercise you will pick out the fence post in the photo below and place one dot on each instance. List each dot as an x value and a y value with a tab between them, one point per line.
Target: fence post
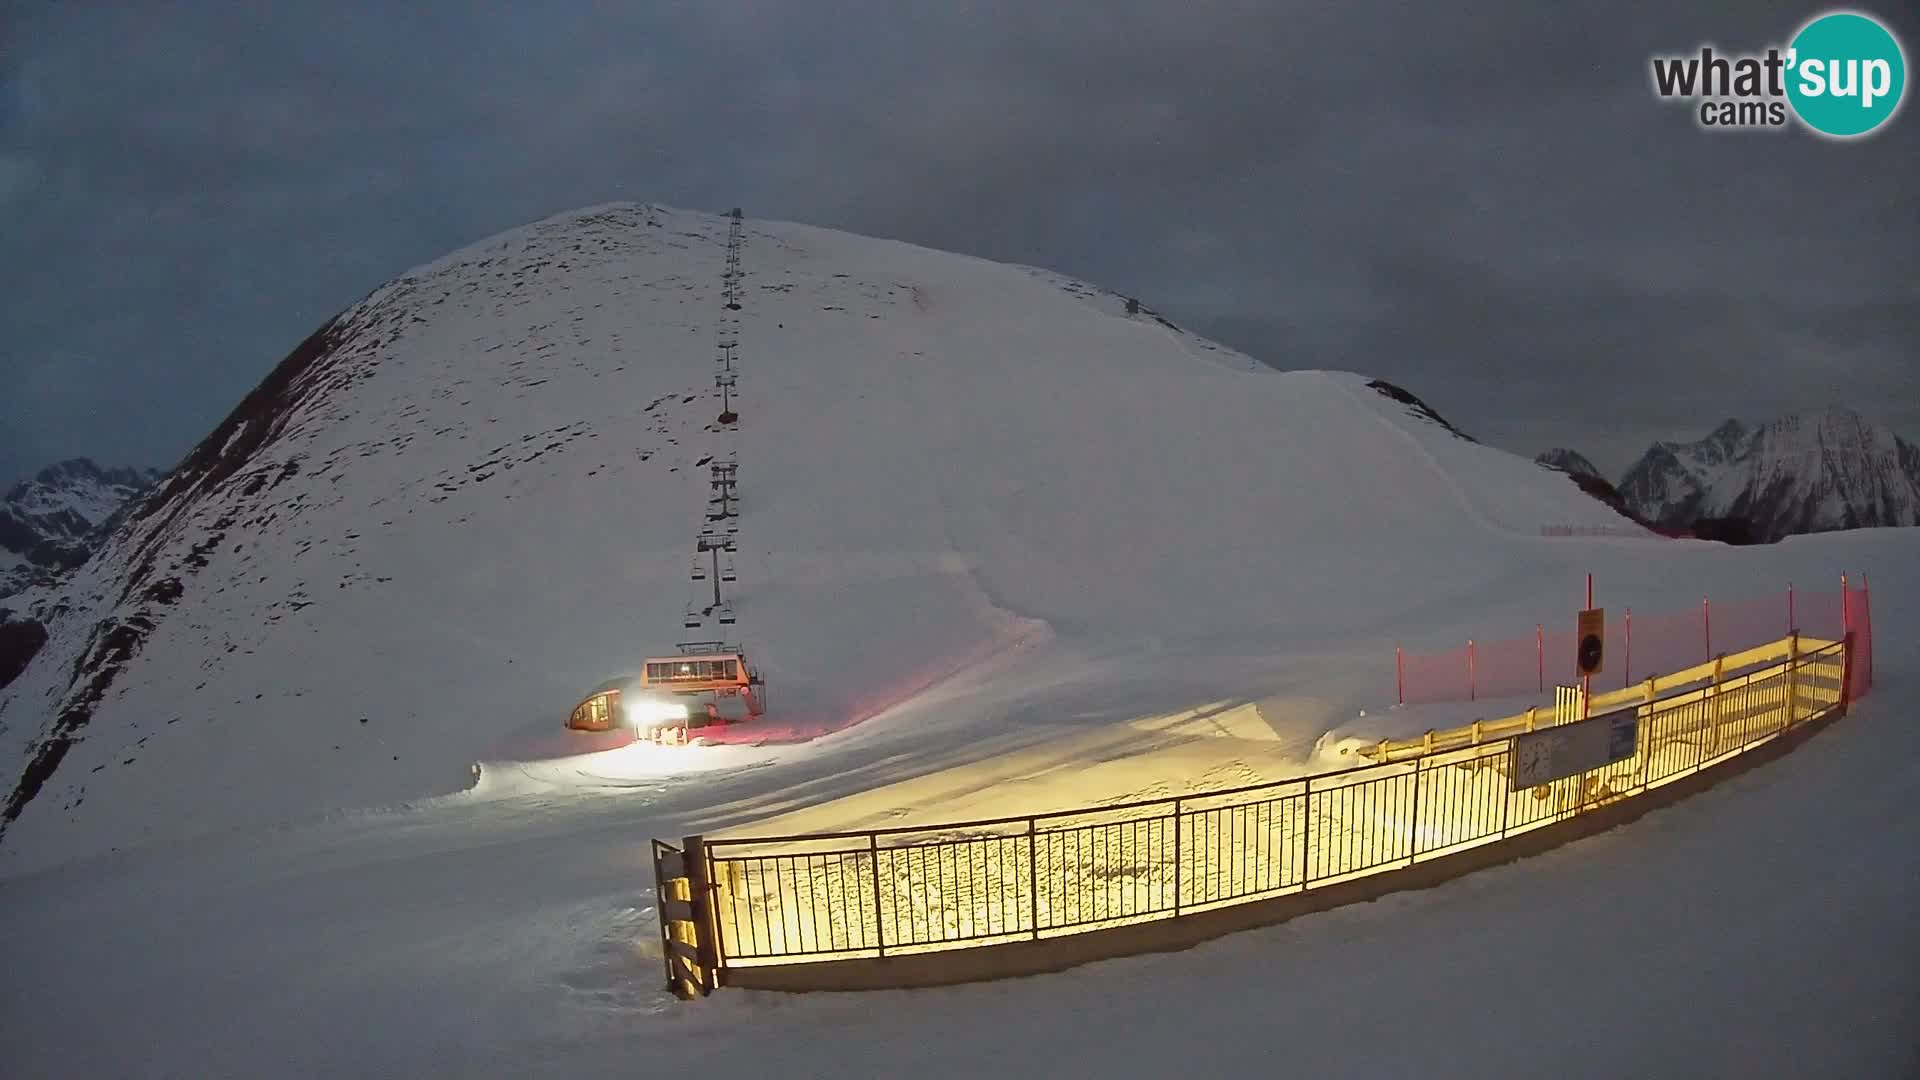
1177	875
1306	828
700	893
1792	623
879	914
1715	712
1400	674
1706	623
1793	697
1473	687
1506	797
1540	654
1413	823
661	896
1033	875
1628	672
1846	672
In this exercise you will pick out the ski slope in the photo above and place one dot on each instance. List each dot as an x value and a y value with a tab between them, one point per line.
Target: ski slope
1758	929
475	495
1003	546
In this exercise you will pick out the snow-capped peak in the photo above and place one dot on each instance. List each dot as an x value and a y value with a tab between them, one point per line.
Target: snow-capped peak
50	522
1811	471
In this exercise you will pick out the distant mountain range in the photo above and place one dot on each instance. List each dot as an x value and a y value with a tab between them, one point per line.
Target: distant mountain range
52	522
1803	473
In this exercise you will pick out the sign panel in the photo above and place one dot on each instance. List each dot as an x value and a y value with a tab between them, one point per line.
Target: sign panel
1590	649
1541	757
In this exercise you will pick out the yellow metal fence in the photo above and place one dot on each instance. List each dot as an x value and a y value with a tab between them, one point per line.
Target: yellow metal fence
794	899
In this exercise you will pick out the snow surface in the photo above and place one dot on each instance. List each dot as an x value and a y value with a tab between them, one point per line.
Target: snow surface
1061	554
1760	929
491	503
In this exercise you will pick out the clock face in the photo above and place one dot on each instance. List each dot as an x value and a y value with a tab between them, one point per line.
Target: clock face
1536	757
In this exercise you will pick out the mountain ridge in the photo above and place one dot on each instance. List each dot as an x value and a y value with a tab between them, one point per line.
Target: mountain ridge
53	520
1814	471
1568	461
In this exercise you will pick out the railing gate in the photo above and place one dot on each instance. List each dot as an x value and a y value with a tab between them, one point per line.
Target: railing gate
686	922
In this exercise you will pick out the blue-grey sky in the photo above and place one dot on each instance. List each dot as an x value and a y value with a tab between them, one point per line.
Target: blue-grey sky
1485	203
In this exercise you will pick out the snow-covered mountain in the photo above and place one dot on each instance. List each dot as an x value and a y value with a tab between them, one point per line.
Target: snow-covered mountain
51	522
1587	478
1808	472
1159	568
476	493
1568	461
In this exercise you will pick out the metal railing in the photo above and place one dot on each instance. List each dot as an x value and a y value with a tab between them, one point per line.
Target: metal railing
1654	687
1483	669
884	892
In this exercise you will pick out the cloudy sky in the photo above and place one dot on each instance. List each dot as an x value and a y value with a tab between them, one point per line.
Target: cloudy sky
1484	202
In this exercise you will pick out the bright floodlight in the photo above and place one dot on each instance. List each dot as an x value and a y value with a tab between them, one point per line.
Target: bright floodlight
645	712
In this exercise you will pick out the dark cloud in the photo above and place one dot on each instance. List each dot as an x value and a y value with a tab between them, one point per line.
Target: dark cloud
1484	203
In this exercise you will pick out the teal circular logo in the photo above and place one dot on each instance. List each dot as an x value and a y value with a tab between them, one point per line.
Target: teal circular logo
1845	74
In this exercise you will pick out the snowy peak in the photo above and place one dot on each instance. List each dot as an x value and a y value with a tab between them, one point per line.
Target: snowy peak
1568	461
72	498
52	522
1812	471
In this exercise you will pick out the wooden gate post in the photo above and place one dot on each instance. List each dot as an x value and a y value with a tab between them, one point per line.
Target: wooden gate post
706	940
